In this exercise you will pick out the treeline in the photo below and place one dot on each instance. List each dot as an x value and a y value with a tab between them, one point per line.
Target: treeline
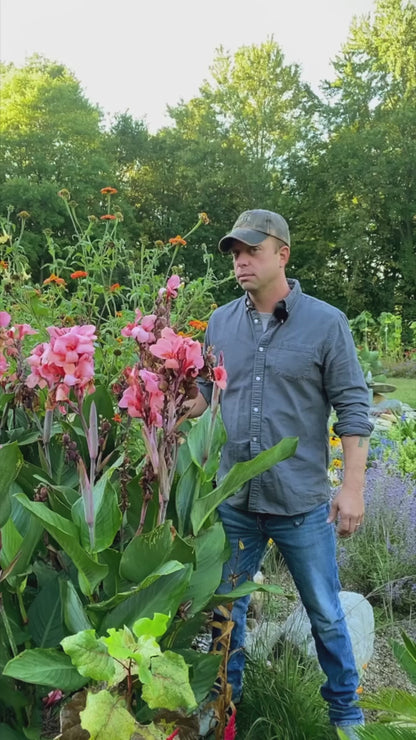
341	166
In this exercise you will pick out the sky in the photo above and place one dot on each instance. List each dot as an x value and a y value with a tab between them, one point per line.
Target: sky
139	56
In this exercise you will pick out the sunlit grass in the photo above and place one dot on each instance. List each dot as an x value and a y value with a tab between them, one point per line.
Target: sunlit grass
405	390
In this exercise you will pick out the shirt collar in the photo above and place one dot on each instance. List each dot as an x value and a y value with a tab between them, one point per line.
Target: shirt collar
286	303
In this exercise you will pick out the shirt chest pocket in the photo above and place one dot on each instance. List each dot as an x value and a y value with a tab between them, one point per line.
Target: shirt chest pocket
294	362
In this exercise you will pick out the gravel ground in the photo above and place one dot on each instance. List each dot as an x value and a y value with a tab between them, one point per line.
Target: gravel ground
383	669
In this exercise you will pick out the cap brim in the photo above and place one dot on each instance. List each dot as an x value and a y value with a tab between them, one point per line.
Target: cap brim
247	236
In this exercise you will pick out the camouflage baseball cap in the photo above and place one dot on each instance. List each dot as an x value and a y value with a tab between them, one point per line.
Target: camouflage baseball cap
252	227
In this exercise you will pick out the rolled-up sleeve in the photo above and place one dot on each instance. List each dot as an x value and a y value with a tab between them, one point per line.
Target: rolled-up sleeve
345	384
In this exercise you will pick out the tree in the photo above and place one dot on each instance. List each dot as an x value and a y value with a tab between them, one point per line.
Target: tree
362	181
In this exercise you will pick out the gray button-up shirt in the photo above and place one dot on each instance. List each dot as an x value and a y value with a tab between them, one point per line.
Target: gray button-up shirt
282	382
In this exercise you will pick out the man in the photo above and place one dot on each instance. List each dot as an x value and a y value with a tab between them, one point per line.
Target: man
289	359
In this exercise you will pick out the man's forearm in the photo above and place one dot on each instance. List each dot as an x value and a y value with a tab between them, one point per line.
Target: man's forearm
355	451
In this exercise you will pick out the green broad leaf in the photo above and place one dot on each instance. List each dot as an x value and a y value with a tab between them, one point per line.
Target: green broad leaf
11	541
103	402
46	625
5	398
239	474
74	615
184	456
7	733
210	554
145	553
204	669
248	587
90	572
120	643
406	655
183	632
11	460
187	490
30	476
47	667
112	581
89	655
105	717
171	567
169	687
61	499
205	443
163	596
155	627
107	516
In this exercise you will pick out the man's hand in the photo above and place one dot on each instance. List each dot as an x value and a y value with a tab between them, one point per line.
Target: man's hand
347	510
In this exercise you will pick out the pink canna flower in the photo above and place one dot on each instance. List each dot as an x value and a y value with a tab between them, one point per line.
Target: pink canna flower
220	376
4	365
141	332
4	318
143	399
180	353
230	732
172	286
171	290
65	362
52	698
22	330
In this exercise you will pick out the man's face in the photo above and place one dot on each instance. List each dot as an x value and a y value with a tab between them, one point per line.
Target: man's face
260	267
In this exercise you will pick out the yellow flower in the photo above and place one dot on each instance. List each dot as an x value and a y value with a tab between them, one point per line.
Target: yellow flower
337	463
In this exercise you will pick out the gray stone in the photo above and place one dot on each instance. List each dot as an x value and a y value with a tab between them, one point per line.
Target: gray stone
360	621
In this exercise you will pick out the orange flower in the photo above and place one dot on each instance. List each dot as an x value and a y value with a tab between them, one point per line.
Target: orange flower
360	690
117	418
78	274
108	217
119	313
177	240
198	325
54	279
114	287
108	191
3	264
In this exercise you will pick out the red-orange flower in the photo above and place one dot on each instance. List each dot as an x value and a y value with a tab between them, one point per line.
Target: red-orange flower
3	264
108	191
117	418
177	240
78	274
54	279
198	325
114	287
108	217
119	313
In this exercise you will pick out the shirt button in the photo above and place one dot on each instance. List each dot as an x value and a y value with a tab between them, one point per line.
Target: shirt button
258	377
255	408
261	349
254	439
256	321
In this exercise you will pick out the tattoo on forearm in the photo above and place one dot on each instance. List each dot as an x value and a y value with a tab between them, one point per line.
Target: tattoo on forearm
362	441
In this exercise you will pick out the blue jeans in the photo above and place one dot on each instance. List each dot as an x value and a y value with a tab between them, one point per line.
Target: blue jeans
307	544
